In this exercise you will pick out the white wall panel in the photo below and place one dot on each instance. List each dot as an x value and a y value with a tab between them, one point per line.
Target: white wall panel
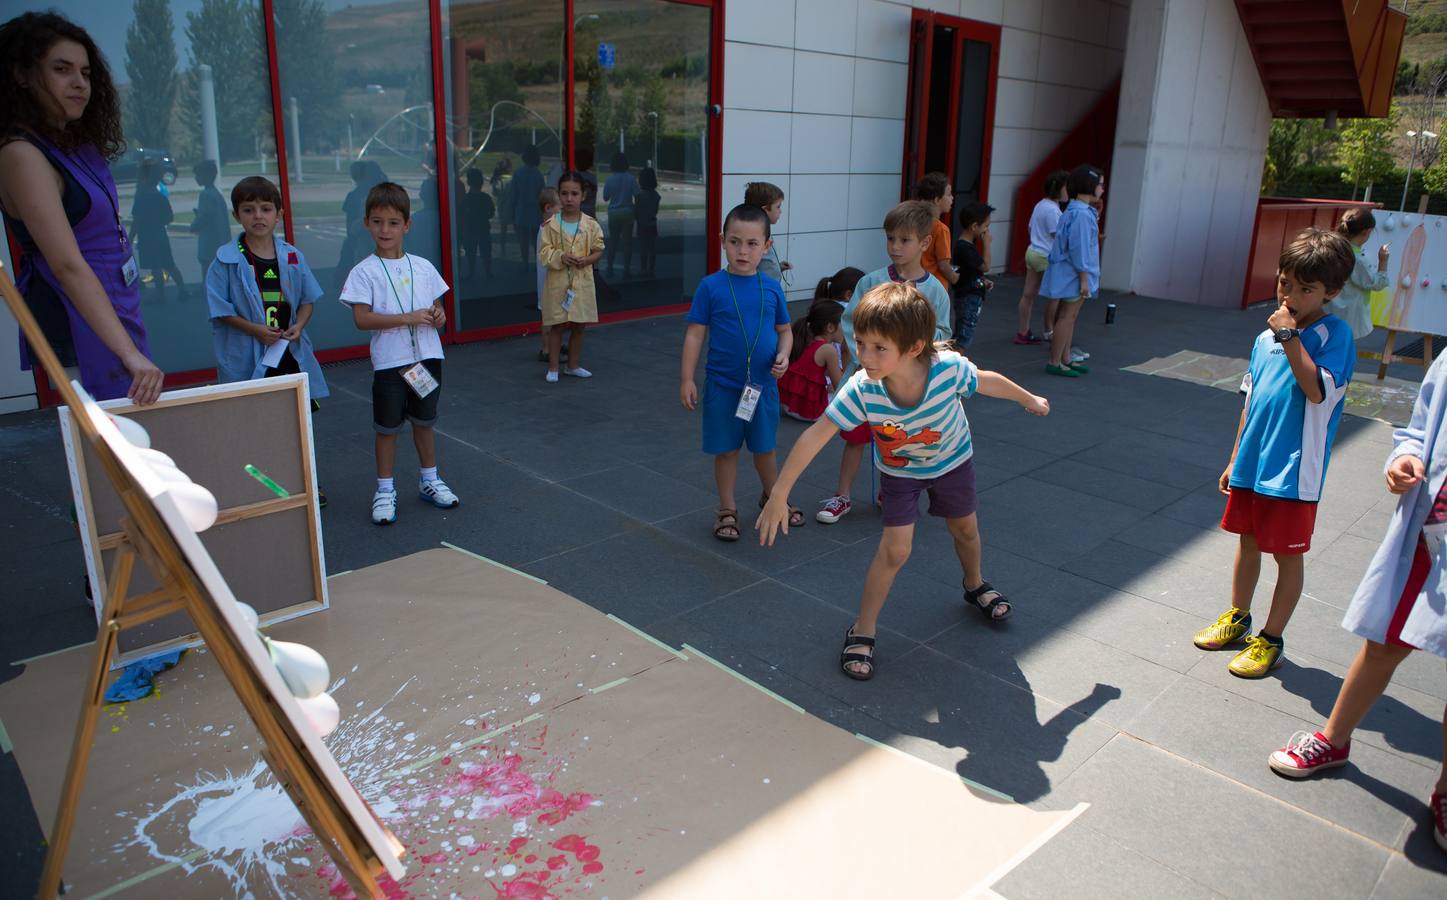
1024	14
820	144
1014	103
1019	53
880	88
864	249
825	25
816	255
823	83
818	203
757	77
992	11
870	197
756	141
1011	153
883	31
876	145
1058	64
760	22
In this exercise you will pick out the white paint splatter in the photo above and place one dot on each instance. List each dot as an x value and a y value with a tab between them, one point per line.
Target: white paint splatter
534	699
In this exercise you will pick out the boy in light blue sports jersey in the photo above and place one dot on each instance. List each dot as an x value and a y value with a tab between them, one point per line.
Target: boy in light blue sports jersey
908	393
1295	391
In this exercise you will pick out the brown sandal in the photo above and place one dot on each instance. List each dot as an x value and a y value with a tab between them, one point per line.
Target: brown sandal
796	515
723	521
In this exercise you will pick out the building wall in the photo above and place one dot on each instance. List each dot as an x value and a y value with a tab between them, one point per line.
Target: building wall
17	388
814	100
1190	143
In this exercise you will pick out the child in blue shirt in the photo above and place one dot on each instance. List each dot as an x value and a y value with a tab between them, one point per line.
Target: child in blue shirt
1073	272
260	291
908	393
746	322
1295	391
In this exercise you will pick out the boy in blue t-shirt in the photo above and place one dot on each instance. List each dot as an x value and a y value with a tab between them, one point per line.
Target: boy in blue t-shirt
747	324
1295	391
908	395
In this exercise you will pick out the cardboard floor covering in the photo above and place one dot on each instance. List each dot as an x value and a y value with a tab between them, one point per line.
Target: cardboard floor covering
521	745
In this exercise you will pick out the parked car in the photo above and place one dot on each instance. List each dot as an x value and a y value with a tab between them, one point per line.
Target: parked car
128	167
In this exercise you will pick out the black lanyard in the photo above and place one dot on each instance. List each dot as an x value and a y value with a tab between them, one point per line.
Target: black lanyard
96	180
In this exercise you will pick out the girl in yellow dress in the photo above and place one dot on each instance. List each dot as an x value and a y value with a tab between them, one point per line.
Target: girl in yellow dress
572	243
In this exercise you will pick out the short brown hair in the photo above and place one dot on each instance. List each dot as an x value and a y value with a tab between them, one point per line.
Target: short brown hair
914	216
898	312
255	189
762	194
389	195
1318	255
548	197
932	186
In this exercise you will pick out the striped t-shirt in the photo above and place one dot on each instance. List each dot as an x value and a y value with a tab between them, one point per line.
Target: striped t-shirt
923	441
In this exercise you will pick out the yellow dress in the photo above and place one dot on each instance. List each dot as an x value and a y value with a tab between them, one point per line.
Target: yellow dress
560	278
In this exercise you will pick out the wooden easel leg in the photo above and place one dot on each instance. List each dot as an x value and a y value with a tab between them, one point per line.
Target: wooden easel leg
1387	354
85	728
1426	353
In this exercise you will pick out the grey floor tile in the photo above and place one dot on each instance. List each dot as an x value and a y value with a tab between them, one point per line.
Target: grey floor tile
1209	548
1059	869
1024	516
1421	872
1140	493
1189	819
799	546
1178	462
1233	735
642	493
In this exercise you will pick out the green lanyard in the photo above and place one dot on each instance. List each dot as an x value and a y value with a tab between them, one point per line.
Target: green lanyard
412	306
749	356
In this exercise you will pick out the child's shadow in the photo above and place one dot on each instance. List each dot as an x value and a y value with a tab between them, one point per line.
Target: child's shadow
1405	729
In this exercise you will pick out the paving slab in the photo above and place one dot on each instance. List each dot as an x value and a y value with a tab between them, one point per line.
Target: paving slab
1084	864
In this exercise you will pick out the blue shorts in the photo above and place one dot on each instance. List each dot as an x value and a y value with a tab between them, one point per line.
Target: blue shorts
723	432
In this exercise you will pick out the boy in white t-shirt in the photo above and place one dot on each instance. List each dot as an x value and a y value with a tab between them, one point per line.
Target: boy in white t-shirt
396	296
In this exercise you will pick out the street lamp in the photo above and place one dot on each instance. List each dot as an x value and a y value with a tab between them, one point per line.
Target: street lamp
1412	159
654	161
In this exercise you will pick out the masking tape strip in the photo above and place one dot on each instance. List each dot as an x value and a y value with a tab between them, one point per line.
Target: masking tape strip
31	659
462	745
603	687
340	574
145	876
907	755
648	637
5	744
742	677
493	562
984	890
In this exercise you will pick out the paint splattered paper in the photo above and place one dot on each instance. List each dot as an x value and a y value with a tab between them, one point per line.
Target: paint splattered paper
542	751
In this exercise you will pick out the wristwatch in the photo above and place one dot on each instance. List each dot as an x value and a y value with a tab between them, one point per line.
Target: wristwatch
1282	335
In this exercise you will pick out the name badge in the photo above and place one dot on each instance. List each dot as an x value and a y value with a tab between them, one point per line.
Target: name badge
568	299
420	380
130	271
748	402
1433	534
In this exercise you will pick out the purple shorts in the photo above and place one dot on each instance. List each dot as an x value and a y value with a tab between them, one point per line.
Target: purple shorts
951	496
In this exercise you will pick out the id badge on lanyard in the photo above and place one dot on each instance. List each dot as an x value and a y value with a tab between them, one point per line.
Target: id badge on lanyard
130	271
748	402
420	380
749	398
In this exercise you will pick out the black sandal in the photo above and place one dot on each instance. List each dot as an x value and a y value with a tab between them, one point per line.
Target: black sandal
845	657
796	515
987	608
726	518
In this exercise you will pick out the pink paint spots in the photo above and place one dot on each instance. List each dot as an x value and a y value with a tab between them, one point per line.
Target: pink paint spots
505	786
585	852
446	760
530	859
541	739
337	885
523	888
637	871
557	862
592	868
430	858
516	844
562	807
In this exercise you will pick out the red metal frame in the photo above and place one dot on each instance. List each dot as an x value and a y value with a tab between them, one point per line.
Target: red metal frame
568	85
278	116
441	142
965	29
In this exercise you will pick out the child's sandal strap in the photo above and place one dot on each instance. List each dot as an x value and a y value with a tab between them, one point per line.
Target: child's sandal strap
987	609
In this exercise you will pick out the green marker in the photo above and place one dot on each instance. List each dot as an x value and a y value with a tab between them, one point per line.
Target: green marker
260	476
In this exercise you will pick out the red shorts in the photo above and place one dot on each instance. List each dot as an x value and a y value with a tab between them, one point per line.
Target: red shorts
1416	578
861	435
1279	526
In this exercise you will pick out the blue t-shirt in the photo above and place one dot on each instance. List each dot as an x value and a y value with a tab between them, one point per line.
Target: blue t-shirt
927	284
922	441
729	338
1286	443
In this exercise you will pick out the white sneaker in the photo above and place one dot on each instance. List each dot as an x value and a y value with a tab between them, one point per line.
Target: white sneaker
1078	355
437	493
579	372
552	378
384	507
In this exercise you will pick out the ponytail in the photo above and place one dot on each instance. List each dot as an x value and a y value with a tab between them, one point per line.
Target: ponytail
823	312
1355	221
838	286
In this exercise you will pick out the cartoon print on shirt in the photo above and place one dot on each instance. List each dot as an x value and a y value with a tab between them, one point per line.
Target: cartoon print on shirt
892	439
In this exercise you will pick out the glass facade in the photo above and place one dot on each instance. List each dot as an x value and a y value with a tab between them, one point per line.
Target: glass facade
348	90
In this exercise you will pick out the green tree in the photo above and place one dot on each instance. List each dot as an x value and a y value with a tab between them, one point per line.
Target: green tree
151	66
227	36
308	68
595	112
1365	149
1435	178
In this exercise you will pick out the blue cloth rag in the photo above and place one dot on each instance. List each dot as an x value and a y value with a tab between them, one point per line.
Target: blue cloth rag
136	681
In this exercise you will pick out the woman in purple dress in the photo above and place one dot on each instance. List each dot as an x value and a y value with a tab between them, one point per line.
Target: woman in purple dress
60	123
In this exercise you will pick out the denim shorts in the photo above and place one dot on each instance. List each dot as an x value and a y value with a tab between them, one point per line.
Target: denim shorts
724	432
393	399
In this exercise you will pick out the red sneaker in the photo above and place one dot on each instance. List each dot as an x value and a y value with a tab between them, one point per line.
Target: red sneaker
833	509
1306	754
1438	805
1028	337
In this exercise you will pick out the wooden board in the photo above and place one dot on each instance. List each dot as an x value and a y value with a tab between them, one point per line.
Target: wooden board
268	550
513	738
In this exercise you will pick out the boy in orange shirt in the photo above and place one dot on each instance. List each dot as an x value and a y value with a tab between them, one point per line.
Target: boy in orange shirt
936	190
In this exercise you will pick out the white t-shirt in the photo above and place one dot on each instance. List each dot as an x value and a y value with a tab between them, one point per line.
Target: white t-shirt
1043	220
402	286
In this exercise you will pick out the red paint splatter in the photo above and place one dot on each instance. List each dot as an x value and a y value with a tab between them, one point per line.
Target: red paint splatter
557	862
541	739
592	868
338	887
514	790
530	859
637	871
430	858
516	844
446	760
523	888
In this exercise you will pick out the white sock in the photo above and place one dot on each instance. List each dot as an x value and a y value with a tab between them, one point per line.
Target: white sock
429	474
385	484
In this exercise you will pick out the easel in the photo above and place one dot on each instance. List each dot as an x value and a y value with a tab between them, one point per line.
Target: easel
146	535
1388	357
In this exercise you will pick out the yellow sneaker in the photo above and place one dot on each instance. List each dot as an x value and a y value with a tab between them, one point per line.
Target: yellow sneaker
1233	625
1259	658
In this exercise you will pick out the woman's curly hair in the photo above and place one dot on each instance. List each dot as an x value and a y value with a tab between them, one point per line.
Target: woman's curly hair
24	41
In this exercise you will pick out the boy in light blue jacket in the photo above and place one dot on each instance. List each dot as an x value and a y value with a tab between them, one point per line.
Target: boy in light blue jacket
261	294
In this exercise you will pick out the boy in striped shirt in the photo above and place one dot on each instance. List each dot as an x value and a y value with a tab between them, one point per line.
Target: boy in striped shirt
909	394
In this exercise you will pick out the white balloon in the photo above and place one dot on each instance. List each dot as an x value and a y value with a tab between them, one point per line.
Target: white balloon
322	713
171	475
1389	223
155	457
249	614
302	668
133	431
197	505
